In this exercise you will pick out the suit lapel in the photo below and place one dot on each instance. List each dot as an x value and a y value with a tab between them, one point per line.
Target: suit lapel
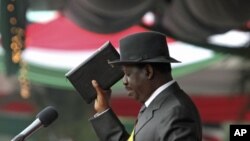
148	114
143	119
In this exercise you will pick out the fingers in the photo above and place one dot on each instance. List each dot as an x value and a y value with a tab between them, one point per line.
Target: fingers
101	102
108	94
97	87
101	94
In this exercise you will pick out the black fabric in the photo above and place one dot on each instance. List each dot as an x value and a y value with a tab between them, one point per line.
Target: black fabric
106	16
195	20
47	4
221	13
180	21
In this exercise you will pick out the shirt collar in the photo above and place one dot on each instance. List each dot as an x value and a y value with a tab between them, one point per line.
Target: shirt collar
157	92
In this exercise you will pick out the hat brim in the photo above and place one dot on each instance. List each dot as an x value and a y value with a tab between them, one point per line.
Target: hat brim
153	60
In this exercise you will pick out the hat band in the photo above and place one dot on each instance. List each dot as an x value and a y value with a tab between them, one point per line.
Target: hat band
144	57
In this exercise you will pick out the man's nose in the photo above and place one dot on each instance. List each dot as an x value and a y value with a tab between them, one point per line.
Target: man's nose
124	80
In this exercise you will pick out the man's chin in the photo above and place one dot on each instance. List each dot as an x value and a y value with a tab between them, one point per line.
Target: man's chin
131	94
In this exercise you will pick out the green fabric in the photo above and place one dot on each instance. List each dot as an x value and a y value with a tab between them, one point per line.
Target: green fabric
13	124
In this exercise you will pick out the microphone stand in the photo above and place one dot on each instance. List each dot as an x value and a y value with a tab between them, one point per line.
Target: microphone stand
18	138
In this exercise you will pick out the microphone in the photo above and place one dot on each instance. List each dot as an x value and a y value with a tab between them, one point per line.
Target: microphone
43	119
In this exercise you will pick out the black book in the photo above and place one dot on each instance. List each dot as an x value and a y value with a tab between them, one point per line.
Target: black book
96	67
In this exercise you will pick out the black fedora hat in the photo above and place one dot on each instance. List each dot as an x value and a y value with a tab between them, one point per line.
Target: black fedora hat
145	47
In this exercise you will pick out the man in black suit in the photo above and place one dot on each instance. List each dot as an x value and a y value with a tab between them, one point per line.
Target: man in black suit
168	113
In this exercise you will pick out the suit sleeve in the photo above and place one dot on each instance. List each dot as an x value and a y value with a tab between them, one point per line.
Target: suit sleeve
108	127
182	126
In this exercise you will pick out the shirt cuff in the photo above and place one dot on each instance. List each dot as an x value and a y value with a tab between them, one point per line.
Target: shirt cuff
99	114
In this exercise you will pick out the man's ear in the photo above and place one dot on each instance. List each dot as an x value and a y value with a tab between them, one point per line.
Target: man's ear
149	71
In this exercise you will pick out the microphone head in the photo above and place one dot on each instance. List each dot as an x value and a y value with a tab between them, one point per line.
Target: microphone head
47	115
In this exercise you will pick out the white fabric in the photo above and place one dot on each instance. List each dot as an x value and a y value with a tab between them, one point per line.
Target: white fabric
98	114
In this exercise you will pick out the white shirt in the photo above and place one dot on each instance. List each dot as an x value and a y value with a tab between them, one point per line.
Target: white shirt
157	92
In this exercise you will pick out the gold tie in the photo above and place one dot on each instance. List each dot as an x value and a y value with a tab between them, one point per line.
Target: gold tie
131	138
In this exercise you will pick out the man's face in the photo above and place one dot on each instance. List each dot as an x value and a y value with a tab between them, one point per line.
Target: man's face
136	82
